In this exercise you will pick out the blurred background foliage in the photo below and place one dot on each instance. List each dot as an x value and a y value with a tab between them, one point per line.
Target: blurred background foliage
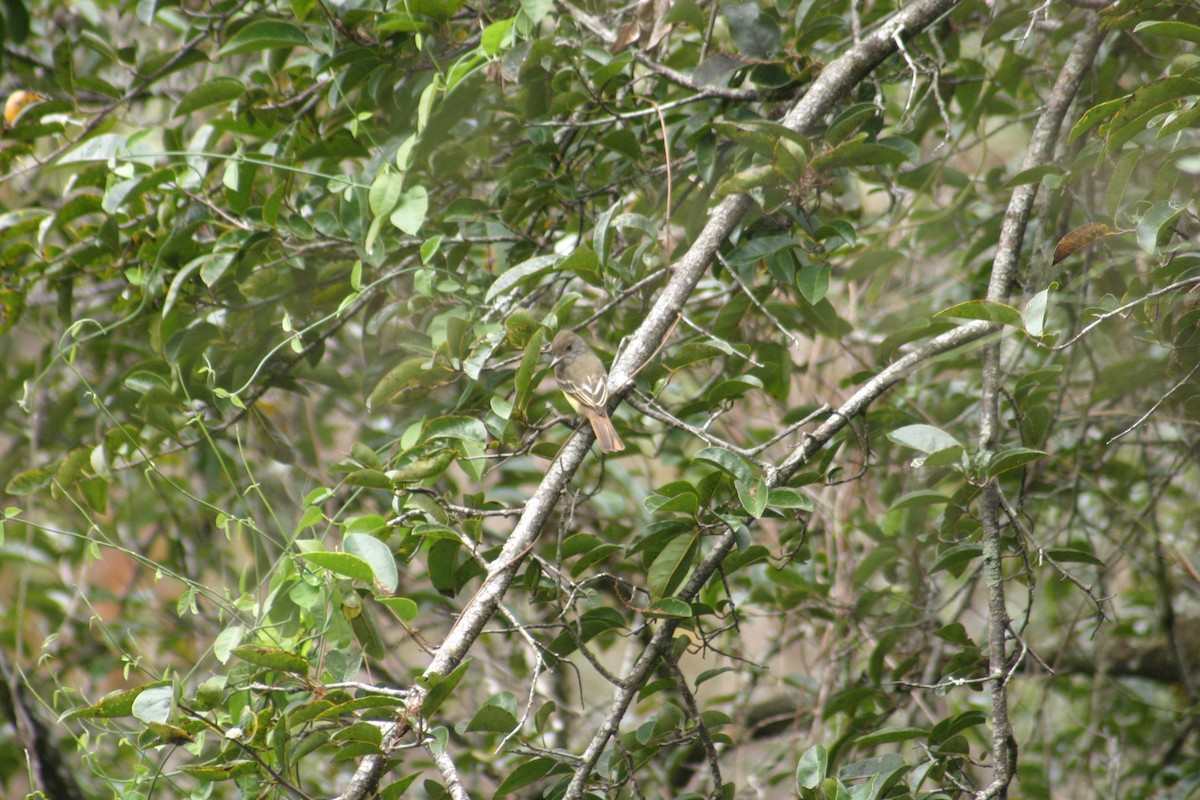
274	281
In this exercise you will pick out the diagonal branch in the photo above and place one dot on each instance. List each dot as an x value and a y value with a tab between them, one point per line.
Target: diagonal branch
834	84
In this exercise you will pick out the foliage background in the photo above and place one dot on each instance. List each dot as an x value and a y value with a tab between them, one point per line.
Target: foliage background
275	282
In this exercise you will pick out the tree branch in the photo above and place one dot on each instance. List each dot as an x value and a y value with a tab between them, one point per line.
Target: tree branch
449	772
1004	270
834	83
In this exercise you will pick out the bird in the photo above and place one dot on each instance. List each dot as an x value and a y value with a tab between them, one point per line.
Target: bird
584	381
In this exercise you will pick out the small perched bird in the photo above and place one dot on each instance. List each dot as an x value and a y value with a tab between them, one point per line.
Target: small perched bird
584	381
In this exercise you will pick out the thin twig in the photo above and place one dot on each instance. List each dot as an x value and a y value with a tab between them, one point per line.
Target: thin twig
653	410
1015	518
689	702
1126	307
1156	405
791	337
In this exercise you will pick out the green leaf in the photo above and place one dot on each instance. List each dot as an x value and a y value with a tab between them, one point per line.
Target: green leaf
422	466
99	148
889	736
918	499
1002	23
753	139
210	93
600	232
443	565
430	247
527	773
410	211
272	658
956	724
682	503
1035	313
813	282
29	481
835	230
1130	119
786	497
403	22
158	733
984	310
399	789
438	10
812	768
359	732
730	462
221	772
214	265
264	34
534	267
1011	459
351	566
754	33
377	555
402	607
1074	555
367	633
955	633
441	688
880	765
591	624
534	10
530	362
414	377
16	20
385	191
1115	192
1032	175
155	704
858	154
1093	116
759	248
709	674
761	176
925	438
637	222
464	428
790	160
116	704
584	262
956	558
850	120
368	478
1157	223
672	565
753	496
669	607
732	388
498	715
1175	30
496	36
578	544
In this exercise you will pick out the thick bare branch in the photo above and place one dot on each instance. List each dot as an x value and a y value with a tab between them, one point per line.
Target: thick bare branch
1004	269
449	772
836	81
